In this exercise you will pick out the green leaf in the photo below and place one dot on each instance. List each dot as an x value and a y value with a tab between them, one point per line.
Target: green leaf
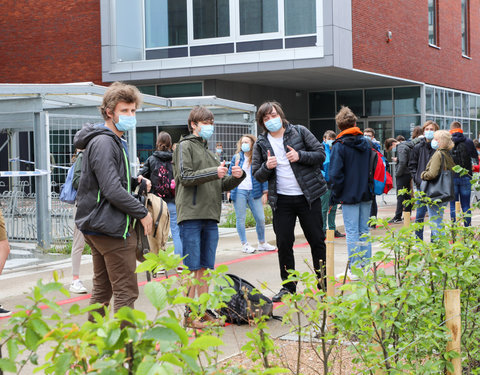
8	365
156	294
62	363
222	268
40	327
12	348
31	339
174	325
205	342
161	334
113	337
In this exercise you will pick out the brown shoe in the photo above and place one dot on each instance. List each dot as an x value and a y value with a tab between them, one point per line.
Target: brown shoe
207	320
197	323
211	319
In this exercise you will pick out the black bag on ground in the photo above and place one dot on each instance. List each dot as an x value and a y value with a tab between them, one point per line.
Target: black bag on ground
441	187
244	306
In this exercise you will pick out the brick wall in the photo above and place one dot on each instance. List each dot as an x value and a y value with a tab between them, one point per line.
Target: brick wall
408	55
45	41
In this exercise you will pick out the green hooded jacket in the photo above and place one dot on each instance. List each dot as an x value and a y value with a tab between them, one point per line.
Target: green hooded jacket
198	190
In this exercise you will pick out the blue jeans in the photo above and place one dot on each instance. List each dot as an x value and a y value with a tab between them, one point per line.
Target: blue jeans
436	217
420	218
243	198
355	218
463	189
200	240
177	242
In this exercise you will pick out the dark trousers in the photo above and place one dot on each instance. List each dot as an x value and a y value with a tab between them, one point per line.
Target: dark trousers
374	207
284	218
114	264
403	182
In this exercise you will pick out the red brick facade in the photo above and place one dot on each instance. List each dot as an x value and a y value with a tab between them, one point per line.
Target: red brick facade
46	41
408	55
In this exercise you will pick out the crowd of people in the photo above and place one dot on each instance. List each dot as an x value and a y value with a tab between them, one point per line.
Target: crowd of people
287	167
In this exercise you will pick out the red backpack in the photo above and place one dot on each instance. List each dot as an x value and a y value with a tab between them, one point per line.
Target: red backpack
381	180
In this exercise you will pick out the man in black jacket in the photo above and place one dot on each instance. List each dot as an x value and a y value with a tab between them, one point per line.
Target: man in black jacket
463	153
106	208
289	157
403	177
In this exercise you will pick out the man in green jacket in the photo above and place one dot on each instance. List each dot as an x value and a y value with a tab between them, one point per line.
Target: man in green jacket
199	182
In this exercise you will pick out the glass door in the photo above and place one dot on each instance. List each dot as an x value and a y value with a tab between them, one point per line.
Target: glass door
383	129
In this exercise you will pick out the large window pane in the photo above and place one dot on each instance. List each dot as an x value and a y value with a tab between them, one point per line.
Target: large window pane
378	102
165	23
211	19
404	125
406	100
465	105
472	113
149	90
352	99
258	16
128	30
439	102
300	16
322	104
319	127
180	89
146	137
457	104
449	103
429	100
465	27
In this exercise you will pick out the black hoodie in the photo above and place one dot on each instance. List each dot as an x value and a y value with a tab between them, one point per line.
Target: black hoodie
105	204
151	168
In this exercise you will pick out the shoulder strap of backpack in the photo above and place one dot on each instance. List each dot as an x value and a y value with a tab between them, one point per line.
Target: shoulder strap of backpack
157	221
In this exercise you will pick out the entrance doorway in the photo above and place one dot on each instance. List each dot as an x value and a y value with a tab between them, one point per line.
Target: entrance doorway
383	129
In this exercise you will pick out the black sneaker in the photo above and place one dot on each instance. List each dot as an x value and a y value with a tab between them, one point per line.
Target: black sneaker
395	221
338	234
278	297
4	312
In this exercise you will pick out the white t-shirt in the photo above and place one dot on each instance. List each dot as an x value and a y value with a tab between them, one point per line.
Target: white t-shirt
286	181
246	184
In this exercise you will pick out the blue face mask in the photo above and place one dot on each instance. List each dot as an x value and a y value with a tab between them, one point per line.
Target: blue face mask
126	123
245	147
329	142
478	152
434	144
274	124
368	137
219	150
428	134
206	131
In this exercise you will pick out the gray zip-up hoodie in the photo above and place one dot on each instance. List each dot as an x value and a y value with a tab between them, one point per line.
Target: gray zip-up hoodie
104	201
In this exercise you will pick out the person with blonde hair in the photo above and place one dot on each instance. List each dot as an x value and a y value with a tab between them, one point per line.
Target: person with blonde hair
250	192
441	160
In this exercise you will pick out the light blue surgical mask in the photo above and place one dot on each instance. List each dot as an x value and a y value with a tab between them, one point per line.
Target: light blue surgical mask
206	131
329	142
274	124
126	123
428	134
368	137
218	150
245	147
478	152
434	144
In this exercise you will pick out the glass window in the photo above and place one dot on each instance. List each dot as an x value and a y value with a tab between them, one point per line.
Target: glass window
404	125
128	30
258	16
478	107
439	102
352	99
429	96
449	103
322	104
300	17
472	134
146	137
407	100
457	100
378	102
472	113
149	90
465	105
432	22
319	127
465	27
165	23
211	19
177	90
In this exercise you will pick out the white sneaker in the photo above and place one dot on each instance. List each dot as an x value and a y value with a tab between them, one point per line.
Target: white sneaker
246	248
350	276
77	287
266	247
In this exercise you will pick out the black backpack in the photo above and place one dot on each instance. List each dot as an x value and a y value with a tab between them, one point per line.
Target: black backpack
165	184
461	156
244	306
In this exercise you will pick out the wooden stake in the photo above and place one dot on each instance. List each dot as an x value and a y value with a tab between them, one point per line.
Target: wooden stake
454	325
458	210
330	268
406	219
